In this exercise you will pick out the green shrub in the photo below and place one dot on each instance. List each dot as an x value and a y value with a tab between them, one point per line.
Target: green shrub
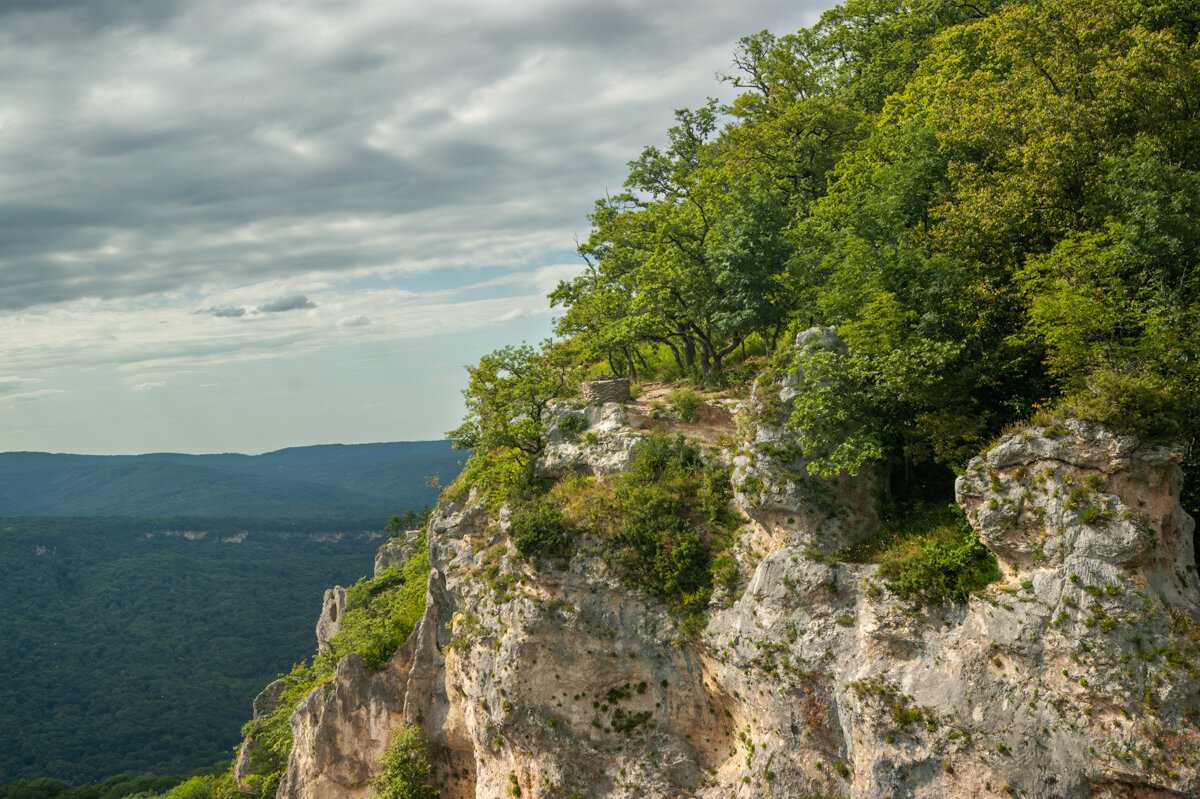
1140	403
672	510
195	788
686	403
726	572
405	768
540	530
927	553
572	424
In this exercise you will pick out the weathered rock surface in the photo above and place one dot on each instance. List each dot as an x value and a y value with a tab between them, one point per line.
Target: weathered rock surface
770	476
1076	676
394	552
265	703
333	607
601	444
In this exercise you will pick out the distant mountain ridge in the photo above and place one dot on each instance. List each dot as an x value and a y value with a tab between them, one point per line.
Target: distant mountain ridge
322	480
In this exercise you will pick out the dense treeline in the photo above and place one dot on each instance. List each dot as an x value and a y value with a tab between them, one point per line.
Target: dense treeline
996	204
126	649
116	787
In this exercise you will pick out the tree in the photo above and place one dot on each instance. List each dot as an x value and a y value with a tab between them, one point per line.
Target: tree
405	768
507	397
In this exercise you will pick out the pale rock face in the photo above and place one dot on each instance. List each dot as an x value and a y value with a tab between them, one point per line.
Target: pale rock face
393	552
265	703
268	699
1078	676
770	476
605	447
333	607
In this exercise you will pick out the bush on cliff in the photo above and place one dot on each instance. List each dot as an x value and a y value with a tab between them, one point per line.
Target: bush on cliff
664	520
927	552
540	529
405	768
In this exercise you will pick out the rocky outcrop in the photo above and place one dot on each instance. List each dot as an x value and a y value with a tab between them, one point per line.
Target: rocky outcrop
594	439
1075	497
333	607
1077	675
771	479
265	704
395	551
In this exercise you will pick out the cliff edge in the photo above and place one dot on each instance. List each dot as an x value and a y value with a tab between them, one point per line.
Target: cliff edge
1076	674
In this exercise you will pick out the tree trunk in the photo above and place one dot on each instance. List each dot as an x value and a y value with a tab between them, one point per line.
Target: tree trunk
674	352
774	340
689	349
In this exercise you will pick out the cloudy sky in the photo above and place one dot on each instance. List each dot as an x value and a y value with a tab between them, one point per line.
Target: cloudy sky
234	225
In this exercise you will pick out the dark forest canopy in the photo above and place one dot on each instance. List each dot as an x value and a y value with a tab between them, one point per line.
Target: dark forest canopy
127	646
996	204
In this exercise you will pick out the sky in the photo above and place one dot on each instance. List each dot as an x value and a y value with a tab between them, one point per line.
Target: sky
237	226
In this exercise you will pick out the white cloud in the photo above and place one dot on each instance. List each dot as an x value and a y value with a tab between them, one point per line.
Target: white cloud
32	395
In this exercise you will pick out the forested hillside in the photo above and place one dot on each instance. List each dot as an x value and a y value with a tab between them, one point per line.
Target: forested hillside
321	481
125	646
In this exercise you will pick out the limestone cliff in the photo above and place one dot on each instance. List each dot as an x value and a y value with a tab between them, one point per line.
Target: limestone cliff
1076	675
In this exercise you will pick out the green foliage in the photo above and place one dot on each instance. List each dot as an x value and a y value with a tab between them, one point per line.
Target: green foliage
686	403
927	553
405	768
195	788
381	612
572	424
411	520
540	529
507	397
196	785
996	205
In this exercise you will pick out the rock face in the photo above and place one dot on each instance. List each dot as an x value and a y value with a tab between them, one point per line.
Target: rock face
1077	675
772	484
333	607
265	703
394	552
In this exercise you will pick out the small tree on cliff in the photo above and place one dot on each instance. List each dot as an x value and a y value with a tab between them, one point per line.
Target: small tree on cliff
507	397
405	768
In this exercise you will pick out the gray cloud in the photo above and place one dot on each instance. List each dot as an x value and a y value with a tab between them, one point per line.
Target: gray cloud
224	311
10	385
151	146
294	302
